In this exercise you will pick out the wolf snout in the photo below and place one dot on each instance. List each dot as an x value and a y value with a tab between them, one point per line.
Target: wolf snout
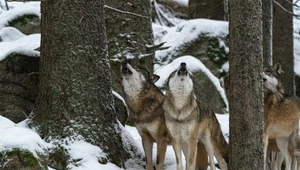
183	64
182	70
125	70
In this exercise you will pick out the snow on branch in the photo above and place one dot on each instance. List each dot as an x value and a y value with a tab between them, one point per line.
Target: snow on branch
124	12
295	15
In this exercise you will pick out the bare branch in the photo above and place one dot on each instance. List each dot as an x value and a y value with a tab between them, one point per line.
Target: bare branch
295	15
294	4
124	12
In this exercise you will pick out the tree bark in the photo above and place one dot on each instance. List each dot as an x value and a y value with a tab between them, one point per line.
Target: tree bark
267	7
283	46
246	95
129	35
75	96
211	9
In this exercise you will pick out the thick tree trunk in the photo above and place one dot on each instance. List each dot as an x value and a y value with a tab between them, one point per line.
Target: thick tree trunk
211	9
283	46
246	95
75	96
129	35
267	7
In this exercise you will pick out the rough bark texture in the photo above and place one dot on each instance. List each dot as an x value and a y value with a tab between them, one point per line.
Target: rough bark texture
246	95
75	96
267	7
212	9
128	36
18	86
283	48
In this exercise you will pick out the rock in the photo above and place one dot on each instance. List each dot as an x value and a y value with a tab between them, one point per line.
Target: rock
27	24
207	92
19	159
18	86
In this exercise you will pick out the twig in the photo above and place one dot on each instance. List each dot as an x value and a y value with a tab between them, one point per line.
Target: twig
124	12
6	5
295	15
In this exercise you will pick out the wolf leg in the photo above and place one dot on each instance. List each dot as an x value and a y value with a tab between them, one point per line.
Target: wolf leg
266	142
279	160
190	151
209	148
282	144
161	152
148	145
177	149
201	158
221	161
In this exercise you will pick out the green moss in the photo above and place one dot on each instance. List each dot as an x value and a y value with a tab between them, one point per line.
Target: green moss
59	158
24	19
102	160
19	158
215	52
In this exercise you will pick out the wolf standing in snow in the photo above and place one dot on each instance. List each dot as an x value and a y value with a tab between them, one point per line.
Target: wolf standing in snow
144	101
281	114
189	120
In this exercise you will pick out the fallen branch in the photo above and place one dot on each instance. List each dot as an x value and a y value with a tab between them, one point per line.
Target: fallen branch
124	12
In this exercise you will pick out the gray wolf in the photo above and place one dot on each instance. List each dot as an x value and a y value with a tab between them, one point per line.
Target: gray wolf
281	114
189	120
144	101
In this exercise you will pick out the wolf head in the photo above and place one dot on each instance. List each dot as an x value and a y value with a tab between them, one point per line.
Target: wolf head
180	80
271	77
135	78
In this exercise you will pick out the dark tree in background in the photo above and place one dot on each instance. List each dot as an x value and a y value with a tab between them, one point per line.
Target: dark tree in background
129	34
267	16
246	95
283	46
75	95
211	9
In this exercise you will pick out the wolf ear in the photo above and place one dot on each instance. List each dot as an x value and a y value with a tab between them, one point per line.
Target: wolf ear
154	78
278	68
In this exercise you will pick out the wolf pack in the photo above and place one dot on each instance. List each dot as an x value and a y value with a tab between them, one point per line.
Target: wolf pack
176	117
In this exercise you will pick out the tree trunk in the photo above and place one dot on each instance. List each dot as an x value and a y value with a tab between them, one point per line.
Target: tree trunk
267	7
211	9
75	97
246	95
283	47
129	35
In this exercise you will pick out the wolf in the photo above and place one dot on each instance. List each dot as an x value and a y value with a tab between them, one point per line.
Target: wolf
274	157
189	120
281	114
144	101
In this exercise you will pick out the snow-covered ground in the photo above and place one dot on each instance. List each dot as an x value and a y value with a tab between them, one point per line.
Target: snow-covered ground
20	136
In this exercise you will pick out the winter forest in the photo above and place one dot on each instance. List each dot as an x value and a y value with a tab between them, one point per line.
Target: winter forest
149	84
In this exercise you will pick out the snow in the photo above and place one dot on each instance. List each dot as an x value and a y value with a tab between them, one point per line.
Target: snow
87	156
14	136
183	2
18	9
24	45
186	32
9	34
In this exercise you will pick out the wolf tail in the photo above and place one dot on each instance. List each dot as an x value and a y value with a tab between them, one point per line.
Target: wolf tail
223	147
219	142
